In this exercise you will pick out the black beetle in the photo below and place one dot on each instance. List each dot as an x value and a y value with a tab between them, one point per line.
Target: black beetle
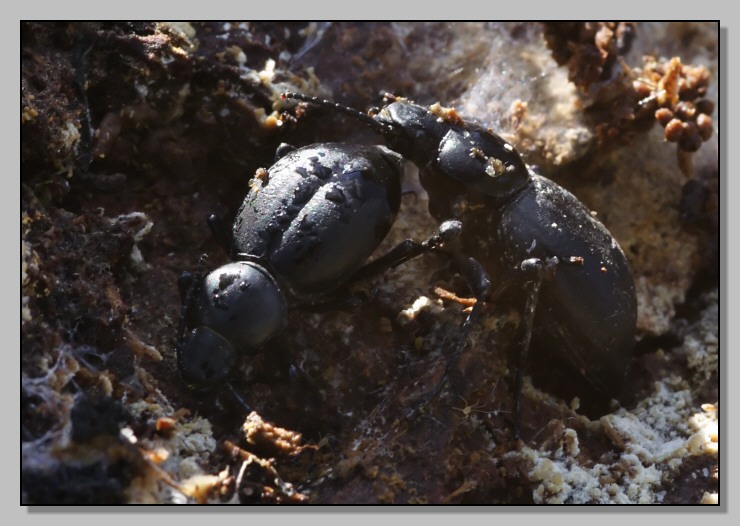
301	237
524	230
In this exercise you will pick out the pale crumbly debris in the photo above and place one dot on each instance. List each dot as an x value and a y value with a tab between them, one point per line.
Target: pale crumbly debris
656	303
202	487
665	427
710	498
181	453
563	480
259	432
701	343
449	115
654	438
421	303
141	348
705	439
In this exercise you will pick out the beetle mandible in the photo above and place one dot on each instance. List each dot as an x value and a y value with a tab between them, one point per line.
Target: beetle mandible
301	238
524	230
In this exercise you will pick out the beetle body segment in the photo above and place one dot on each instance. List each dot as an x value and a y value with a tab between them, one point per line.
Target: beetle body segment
466	153
242	300
237	306
586	312
321	213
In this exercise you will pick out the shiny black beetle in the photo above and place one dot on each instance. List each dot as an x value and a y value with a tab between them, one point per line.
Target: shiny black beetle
543	247
302	235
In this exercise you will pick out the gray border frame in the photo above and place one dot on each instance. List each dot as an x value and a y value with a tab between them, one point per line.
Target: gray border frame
293	9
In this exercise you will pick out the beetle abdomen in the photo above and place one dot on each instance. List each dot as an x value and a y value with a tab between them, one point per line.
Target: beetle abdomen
320	214
587	312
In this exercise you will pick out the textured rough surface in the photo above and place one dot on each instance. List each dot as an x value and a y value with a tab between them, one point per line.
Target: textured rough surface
133	133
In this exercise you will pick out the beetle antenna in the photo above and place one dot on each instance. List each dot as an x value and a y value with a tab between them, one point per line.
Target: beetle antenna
247	408
379	127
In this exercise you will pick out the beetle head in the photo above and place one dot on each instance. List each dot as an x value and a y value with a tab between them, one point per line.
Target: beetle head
239	307
204	358
412	130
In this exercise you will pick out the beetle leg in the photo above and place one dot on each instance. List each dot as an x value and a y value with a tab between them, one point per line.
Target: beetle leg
409	249
184	282
479	282
532	272
188	283
244	405
344	299
530	306
219	232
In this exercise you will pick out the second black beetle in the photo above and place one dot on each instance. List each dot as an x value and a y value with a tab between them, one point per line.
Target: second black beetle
301	236
544	249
